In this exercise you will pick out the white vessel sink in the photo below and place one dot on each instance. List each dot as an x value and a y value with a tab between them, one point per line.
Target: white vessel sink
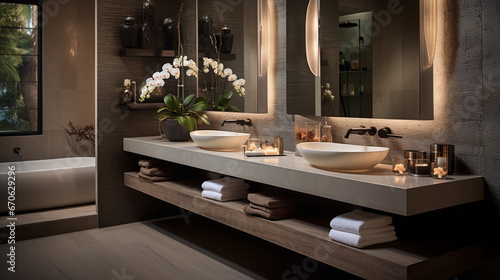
337	156
219	140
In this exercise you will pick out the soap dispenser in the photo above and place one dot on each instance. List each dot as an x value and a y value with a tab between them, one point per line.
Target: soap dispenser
326	132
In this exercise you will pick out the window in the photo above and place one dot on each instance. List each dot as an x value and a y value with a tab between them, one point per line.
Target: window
20	67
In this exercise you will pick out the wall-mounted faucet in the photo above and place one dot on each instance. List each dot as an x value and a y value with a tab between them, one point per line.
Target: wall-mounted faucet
17	150
240	122
386	132
361	131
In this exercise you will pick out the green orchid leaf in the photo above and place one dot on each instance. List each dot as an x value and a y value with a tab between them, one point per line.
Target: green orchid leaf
187	121
199	105
188	99
231	108
203	117
228	95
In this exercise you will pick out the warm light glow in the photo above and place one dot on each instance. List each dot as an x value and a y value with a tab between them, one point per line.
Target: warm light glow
264	26
430	29
312	36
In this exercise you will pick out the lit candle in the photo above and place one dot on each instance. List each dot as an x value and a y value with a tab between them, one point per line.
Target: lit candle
271	152
256	152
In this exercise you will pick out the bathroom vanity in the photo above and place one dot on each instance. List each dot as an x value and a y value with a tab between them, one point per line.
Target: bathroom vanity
378	188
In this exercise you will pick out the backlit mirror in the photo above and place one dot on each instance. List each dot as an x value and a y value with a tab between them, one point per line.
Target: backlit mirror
234	33
376	58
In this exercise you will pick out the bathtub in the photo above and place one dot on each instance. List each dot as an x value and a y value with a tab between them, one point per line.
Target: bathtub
45	184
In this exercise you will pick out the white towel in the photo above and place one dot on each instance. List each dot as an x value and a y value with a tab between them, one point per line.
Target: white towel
224	184
358	221
361	241
223	197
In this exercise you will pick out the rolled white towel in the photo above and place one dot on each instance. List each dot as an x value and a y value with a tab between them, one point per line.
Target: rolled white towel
361	241
223	184
223	197
358	221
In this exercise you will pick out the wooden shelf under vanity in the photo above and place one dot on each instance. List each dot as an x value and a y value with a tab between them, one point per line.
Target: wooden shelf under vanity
402	259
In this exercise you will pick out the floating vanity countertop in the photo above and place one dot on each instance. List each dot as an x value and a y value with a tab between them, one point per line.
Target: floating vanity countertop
377	188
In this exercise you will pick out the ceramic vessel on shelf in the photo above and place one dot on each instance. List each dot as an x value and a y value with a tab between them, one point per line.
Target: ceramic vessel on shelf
219	140
344	157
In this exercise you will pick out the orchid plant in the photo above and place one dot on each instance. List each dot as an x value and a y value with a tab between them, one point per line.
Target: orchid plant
214	77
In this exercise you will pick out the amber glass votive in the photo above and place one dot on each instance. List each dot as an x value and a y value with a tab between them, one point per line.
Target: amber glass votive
439	168
253	144
399	166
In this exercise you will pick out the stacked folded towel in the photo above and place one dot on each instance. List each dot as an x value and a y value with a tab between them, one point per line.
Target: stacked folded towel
156	170
360	229
224	189
272	205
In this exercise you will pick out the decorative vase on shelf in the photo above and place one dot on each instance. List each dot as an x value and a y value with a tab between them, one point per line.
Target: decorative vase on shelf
169	33
206	40
174	131
227	39
129	32
150	37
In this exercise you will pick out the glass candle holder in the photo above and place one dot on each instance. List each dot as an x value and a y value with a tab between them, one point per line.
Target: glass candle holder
439	168
421	168
253	144
399	166
312	132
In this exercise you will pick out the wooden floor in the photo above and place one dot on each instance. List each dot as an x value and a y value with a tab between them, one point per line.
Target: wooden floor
188	247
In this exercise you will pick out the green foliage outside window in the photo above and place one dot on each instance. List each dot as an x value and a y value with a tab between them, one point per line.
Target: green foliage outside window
18	67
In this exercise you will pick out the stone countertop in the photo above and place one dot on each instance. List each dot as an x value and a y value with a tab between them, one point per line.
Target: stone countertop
376	188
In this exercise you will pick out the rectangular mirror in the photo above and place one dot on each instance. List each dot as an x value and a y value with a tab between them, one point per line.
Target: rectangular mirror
374	57
235	34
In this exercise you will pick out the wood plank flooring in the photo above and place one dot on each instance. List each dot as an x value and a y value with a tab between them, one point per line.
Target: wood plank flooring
187	247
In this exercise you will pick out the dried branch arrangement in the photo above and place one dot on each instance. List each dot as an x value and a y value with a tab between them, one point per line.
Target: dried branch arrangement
82	132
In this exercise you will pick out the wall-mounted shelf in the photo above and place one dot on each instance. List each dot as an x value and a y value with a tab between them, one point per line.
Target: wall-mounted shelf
145	106
222	56
402	259
147	53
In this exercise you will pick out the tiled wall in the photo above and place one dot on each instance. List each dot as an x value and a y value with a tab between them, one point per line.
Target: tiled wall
117	204
68	84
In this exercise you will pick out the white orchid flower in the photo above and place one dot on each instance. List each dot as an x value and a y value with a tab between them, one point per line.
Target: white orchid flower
159	82
164	75
214	64
190	73
150	82
166	67
176	62
228	71
175	72
232	78
242	82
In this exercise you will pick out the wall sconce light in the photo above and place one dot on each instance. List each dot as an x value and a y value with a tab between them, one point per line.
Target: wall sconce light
430	29
264	40
312	37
